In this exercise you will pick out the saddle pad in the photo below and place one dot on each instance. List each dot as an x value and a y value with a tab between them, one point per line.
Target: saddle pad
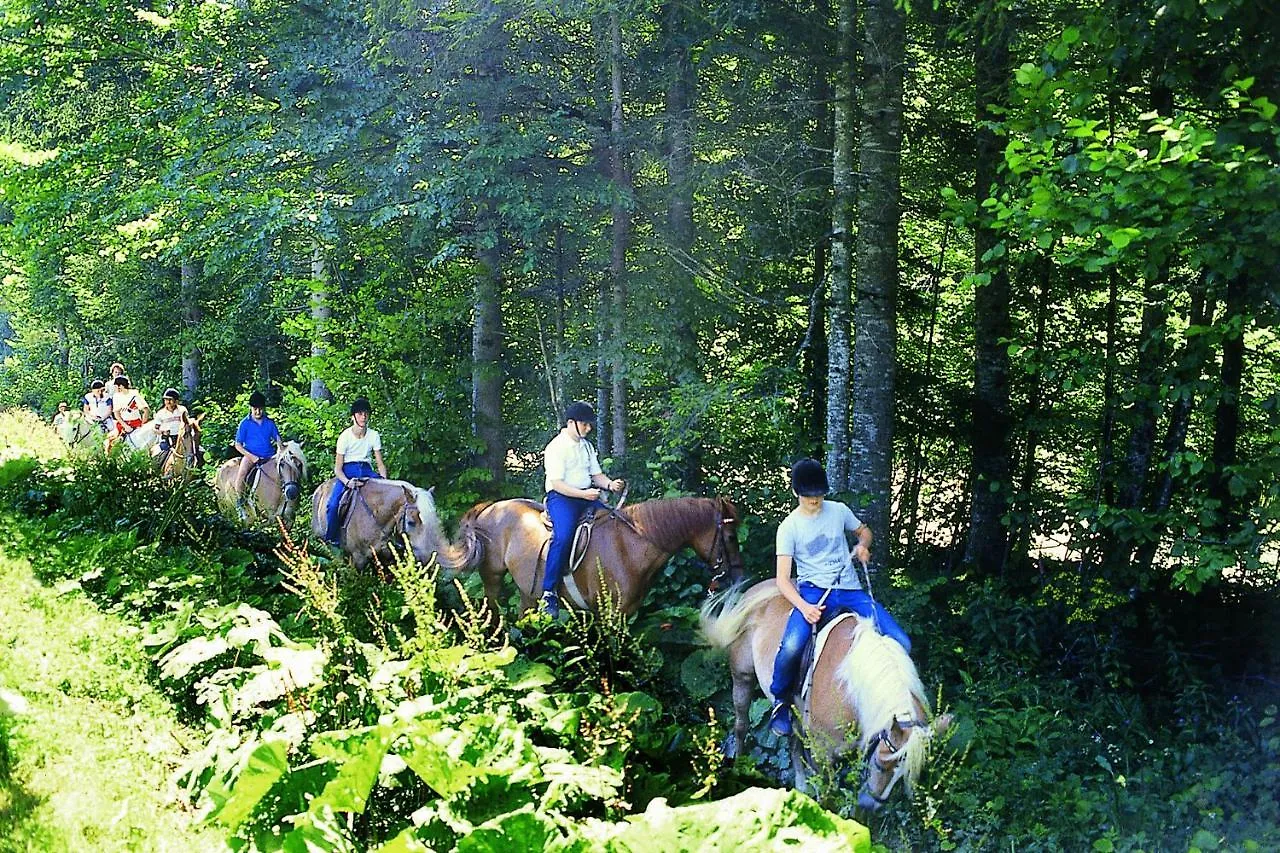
818	645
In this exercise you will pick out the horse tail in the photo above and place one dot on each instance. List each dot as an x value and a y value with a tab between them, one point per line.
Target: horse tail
725	615
467	553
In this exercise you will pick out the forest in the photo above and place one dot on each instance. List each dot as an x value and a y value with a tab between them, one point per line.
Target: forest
1009	269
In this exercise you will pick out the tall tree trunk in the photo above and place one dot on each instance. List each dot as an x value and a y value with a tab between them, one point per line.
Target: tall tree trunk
879	211
621	175
321	313
1226	417
486	363
189	289
844	126
1020	537
991	426
681	87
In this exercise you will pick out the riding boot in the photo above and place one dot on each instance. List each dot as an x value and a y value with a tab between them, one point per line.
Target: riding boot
780	718
550	604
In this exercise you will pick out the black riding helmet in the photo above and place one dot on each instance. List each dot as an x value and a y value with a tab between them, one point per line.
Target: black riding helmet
171	394
257	400
361	404
580	412
808	479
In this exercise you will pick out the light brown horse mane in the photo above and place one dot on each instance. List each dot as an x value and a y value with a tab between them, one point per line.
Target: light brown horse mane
669	522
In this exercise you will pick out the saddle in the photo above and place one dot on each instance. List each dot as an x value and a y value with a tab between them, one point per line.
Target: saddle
809	660
346	502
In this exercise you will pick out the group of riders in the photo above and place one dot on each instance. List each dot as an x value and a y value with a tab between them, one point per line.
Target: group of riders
812	542
118	410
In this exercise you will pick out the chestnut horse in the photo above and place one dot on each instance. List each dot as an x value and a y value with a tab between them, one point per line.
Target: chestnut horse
862	680
629	545
276	488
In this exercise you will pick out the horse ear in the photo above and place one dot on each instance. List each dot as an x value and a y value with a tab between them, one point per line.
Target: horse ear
942	723
432	491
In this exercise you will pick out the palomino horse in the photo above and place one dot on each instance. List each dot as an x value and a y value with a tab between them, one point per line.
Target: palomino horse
81	434
629	546
275	491
862	679
381	514
183	454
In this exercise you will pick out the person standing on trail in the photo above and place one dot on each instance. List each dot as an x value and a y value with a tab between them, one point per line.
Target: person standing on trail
573	482
359	449
257	439
813	540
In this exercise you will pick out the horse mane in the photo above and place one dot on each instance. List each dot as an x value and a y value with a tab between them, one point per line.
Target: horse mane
668	522
881	682
725	616
293	449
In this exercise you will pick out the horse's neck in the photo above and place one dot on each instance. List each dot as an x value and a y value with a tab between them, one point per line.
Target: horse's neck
675	530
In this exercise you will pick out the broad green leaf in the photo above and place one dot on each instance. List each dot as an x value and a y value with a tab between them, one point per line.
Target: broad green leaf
264	768
359	755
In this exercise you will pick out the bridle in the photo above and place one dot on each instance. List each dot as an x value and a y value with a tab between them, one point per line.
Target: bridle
872	758
720	565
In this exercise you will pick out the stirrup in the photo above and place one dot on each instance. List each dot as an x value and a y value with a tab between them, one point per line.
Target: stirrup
780	719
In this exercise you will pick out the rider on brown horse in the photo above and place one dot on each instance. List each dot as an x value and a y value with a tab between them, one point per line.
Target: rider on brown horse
573	484
358	447
812	538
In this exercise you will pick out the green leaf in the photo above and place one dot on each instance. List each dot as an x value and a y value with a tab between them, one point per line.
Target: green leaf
264	768
359	755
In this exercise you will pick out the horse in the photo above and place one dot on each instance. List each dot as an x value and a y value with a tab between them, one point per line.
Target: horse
861	679
629	545
381	514
80	434
139	440
274	493
183	454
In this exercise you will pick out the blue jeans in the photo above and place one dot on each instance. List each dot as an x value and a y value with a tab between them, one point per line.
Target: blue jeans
349	469
565	514
799	631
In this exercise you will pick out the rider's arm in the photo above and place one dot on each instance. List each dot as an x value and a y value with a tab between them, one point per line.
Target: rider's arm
382	466
604	482
337	469
244	451
812	612
862	551
570	492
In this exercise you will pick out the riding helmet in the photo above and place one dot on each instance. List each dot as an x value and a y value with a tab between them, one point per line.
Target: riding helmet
171	394
580	412
808	479
257	400
96	384
361	404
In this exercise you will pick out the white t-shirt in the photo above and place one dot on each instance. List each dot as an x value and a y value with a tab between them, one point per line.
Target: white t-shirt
170	423
819	546
128	405
99	407
358	449
572	460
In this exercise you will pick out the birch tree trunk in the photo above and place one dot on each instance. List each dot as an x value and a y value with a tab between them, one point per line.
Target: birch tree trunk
837	303
321	313
189	289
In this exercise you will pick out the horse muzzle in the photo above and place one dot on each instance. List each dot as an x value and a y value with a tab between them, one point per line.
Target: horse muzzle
292	490
867	801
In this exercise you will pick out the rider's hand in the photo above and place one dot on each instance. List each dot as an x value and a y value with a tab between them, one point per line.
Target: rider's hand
861	554
812	613
616	485
591	494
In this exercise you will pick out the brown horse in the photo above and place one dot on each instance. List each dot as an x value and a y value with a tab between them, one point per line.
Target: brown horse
629	546
381	514
862	680
275	492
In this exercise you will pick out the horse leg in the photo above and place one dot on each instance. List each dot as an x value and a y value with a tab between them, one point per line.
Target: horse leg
744	688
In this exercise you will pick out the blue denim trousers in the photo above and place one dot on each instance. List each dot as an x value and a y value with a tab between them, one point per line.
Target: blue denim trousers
799	631
349	469
565	514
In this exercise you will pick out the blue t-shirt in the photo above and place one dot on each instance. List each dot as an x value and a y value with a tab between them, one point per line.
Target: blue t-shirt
257	437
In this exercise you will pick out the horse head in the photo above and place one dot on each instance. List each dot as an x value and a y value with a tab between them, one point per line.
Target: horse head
420	523
723	556
292	467
897	753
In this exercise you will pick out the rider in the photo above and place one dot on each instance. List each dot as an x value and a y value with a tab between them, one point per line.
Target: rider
812	538
61	416
97	405
129	410
573	484
170	420
356	446
257	440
